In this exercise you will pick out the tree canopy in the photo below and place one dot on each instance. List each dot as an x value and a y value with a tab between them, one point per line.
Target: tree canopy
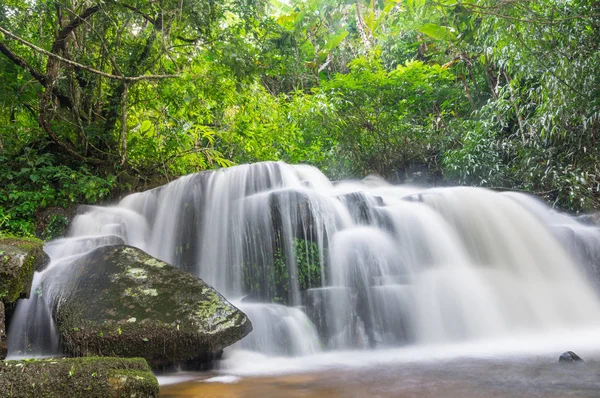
99	97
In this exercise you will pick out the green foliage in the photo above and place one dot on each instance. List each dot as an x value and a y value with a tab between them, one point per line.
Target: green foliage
275	283
538	130
33	182
56	228
308	262
394	120
479	92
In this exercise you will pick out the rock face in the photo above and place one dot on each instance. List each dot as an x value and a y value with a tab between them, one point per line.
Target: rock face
19	259
120	301
77	378
590	219
3	349
569	356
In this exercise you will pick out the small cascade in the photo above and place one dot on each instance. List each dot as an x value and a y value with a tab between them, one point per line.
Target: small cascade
32	331
278	330
364	264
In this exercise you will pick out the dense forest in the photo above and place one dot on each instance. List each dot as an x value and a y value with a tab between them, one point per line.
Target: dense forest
101	97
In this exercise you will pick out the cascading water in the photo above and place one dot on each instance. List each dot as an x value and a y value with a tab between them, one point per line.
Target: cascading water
322	266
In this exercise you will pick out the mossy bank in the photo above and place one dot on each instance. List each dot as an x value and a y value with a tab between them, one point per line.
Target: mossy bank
77	378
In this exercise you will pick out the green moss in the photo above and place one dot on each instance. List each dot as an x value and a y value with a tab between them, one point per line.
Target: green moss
19	259
77	377
274	282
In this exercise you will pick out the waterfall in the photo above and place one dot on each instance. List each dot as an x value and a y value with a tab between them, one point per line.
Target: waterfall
318	265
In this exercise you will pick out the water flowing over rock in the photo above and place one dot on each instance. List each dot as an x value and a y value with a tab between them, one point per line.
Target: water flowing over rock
359	264
569	356
19	259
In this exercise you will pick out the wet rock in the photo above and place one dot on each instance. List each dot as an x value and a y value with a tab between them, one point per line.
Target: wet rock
2	333
120	301
569	356
589	219
292	213
19	259
583	244
77	378
362	207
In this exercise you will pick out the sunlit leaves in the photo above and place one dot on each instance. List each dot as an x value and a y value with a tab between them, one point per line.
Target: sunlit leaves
437	32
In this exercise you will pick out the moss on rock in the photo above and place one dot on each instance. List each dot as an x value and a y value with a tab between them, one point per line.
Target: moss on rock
19	259
120	301
77	377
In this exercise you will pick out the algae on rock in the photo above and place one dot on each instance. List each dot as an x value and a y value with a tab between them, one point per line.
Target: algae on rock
120	301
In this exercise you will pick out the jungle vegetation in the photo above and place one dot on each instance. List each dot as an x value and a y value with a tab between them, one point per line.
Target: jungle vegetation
101	97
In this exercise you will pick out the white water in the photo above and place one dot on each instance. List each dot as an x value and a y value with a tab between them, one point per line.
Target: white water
436	271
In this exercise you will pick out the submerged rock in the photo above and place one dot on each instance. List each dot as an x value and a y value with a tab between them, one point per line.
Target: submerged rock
120	301
569	356
77	378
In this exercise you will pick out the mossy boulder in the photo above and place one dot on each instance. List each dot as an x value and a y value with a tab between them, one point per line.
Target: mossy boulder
19	259
77	377
120	301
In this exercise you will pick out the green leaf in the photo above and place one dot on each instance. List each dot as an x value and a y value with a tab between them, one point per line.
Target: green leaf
335	40
437	32
145	126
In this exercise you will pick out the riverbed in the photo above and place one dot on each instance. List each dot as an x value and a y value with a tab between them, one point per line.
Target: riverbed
526	367
452	379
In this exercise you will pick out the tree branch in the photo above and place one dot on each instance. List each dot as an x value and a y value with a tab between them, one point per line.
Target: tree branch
140	12
61	38
22	63
84	67
124	124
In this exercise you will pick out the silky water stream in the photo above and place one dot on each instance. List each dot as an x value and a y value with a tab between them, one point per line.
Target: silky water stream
362	288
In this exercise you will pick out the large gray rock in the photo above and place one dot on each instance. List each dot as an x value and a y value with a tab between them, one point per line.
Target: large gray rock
120	301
